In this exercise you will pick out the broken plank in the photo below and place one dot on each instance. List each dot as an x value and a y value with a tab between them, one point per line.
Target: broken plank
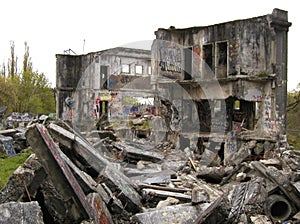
157	187
165	194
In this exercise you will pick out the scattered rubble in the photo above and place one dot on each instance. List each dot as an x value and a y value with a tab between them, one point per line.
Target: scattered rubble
136	181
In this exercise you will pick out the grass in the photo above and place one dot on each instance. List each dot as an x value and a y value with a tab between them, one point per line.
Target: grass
9	165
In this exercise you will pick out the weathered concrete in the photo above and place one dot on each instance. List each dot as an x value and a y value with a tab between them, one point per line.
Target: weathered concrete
241	60
21	212
77	76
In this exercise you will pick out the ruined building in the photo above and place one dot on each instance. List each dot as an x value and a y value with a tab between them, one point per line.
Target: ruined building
227	80
97	83
216	151
217	86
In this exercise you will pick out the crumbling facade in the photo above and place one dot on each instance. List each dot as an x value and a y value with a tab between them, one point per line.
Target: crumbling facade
234	73
220	115
94	84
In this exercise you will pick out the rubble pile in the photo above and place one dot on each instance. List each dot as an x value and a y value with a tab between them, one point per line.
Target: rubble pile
78	178
13	141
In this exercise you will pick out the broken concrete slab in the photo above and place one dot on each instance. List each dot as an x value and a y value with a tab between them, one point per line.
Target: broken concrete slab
212	214
169	201
260	219
49	154
6	145
81	147
158	177
21	212
123	188
24	182
211	174
183	213
102	134
134	153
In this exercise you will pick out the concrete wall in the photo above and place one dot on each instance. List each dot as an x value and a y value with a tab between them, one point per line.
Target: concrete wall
245	59
81	74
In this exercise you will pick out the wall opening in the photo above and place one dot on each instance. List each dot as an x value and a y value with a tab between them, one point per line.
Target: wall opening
208	58
188	59
103	76
221	59
240	114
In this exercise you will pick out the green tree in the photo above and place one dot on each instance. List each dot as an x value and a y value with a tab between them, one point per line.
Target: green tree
27	91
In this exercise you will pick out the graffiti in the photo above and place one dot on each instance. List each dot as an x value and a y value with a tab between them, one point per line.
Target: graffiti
219	125
170	59
115	106
269	124
257	98
125	79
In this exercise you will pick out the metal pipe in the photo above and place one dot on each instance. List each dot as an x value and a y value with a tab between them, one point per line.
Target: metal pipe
278	208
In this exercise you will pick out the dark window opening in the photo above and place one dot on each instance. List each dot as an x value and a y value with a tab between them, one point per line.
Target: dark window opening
204	113
208	55
208	67
240	114
221	67
103	76
188	56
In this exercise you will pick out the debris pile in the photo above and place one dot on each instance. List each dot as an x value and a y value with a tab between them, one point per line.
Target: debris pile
84	179
16	119
13	141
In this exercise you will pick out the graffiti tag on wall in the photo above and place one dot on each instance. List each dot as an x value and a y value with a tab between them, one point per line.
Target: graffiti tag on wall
268	122
170	59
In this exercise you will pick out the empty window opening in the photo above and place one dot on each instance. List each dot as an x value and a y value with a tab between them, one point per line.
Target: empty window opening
221	59
125	69
243	118
149	70
188	59
208	55
103	76
204	113
138	69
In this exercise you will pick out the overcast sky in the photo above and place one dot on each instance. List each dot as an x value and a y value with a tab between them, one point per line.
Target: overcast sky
50	27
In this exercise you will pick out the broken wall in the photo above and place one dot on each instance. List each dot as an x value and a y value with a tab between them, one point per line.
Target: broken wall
84	78
245	59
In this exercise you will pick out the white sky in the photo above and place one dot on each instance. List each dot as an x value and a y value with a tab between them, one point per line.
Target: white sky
50	27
